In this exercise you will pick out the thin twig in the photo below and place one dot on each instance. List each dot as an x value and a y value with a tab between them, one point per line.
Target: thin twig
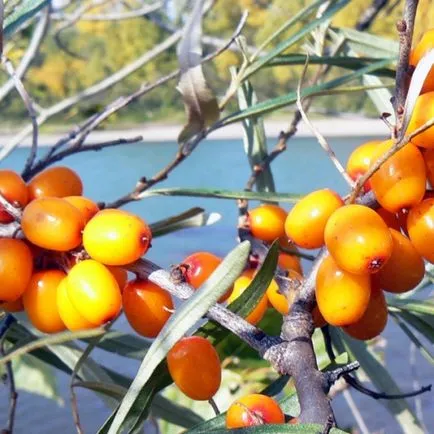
321	139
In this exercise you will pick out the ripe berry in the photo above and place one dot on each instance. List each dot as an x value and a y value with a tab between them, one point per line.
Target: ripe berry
283	301
94	292
420	225
306	221
13	306
147	307
267	222
428	156
422	47
120	274
199	266
358	239
405	268
252	410
53	224
391	219
317	318
16	267
240	285
40	301
87	207
116	237
194	366
400	182
13	189
342	297
67	312
423	111
373	321
360	160
59	181
286	261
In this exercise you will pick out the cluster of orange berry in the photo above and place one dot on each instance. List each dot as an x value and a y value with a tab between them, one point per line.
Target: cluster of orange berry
69	270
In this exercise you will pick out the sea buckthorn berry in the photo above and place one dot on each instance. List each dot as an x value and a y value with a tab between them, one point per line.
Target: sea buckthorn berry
422	47
146	306
16	267
120	274
306	221
13	306
254	409
317	318
428	156
373	321
423	112
358	239
87	207
94	292
288	262
267	222
13	189
405	268
240	285
283	301
194	366
59	181
67	312
360	160
116	237
52	223
391	219
400	182
420	225
40	301
342	297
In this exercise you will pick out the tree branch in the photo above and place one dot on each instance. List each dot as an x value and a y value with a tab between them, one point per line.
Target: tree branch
370	14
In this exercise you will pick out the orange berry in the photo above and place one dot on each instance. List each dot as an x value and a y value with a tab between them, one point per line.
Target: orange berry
53	224
317	318
16	266
240	285
59	181
194	366
373	321
342	297
306	221
67	312
283	301
116	237
267	222
401	181
94	292
428	156
87	207
358	239
147	307
286	261
389	218
360	160
13	306
422	47
13	189
252	410
120	274
40	301
423	112
405	268
420	225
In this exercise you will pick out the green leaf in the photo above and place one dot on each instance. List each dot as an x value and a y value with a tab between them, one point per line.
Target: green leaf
282	101
255	142
179	323
381	379
34	376
412	305
21	13
348	62
278	429
419	324
191	218
200	103
222	194
305	30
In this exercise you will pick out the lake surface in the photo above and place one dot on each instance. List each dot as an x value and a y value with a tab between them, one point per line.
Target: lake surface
215	164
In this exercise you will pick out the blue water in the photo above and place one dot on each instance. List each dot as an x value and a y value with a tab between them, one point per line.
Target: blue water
111	173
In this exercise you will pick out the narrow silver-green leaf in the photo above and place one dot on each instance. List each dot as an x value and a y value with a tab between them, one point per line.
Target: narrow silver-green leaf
200	103
179	323
277	429
412	305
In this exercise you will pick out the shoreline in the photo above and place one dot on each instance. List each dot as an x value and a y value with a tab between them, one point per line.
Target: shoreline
157	132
